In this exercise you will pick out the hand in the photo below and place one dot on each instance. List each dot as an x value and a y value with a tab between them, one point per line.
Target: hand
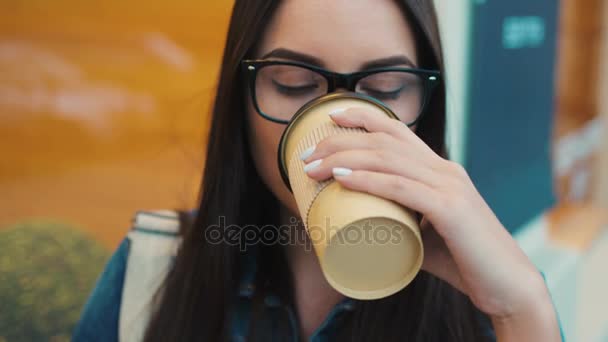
465	244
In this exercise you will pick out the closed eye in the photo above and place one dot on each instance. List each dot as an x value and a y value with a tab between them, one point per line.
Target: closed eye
294	90
384	95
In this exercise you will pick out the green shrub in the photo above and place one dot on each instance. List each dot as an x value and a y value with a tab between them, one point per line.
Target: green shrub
47	271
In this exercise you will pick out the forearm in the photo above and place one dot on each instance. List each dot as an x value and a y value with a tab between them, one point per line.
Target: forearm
539	323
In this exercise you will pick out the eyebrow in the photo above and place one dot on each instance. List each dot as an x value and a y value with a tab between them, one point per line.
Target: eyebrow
308	59
388	62
294	56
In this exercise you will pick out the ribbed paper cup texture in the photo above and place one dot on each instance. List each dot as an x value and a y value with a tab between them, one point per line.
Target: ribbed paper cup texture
368	247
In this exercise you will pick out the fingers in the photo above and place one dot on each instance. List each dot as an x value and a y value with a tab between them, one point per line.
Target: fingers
351	141
361	141
407	192
372	122
383	161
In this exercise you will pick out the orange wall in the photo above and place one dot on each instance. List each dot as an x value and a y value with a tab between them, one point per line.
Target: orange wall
104	107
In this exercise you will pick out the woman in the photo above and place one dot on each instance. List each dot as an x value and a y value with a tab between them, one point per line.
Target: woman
475	282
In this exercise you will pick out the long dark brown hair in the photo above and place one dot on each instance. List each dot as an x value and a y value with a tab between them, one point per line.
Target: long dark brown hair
194	302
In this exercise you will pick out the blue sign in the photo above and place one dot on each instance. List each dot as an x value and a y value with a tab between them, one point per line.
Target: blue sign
511	93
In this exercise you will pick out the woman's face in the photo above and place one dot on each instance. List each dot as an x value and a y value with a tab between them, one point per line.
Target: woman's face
339	35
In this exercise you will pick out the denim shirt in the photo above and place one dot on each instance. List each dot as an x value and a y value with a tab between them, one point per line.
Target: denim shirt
99	320
100	317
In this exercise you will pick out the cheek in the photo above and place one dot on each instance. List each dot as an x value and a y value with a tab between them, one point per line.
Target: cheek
264	137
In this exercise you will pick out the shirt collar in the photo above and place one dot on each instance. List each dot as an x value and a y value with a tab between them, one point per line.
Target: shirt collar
246	291
247	283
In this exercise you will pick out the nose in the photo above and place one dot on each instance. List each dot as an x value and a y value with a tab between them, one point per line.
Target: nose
341	90
342	84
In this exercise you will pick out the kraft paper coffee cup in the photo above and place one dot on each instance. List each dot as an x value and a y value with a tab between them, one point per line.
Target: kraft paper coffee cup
368	247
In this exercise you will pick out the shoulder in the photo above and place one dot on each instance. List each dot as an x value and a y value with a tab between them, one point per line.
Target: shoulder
120	300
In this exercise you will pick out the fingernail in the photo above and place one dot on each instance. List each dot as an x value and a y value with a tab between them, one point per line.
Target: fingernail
307	152
337	111
312	165
341	171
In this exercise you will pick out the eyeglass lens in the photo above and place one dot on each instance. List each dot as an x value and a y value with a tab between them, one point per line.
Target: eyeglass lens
283	89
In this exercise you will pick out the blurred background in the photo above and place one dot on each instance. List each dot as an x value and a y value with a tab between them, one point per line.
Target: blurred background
104	111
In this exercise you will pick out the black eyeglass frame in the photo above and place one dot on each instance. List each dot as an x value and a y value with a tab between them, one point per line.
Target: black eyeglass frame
250	67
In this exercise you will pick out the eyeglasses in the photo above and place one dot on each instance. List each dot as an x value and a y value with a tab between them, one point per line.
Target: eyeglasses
279	88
